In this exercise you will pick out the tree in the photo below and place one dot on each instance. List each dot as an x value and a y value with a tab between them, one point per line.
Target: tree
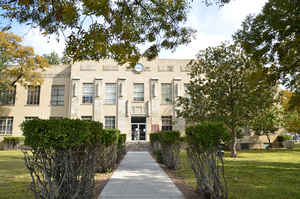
291	118
222	89
18	63
53	58
273	37
108	28
267	121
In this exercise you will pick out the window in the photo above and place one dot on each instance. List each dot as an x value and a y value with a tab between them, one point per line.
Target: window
110	93
138	92
87	117
57	95
8	96
30	118
56	118
33	95
110	122
166	123
6	125
166	93
88	93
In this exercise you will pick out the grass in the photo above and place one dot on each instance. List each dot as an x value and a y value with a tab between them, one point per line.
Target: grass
14	177
257	174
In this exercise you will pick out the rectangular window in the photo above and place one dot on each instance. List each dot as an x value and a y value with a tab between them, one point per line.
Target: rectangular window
110	93
138	92
87	117
33	95
57	95
110	122
166	93
30	118
56	118
6	125
7	96
88	93
166	123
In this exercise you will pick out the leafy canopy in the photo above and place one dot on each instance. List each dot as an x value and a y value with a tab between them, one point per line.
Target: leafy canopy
108	28
273	37
18	63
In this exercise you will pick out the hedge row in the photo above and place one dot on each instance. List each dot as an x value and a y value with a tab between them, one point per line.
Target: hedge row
65	154
166	147
203	143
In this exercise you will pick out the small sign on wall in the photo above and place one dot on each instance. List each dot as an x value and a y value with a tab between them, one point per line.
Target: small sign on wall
154	128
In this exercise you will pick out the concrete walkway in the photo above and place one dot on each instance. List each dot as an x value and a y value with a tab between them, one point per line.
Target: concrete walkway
140	177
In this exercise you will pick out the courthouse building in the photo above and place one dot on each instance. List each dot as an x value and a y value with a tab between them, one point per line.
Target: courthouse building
137	101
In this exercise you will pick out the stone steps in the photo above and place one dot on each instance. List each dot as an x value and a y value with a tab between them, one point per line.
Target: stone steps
138	146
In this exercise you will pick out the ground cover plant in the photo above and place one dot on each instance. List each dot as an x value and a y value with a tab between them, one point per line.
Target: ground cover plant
256	173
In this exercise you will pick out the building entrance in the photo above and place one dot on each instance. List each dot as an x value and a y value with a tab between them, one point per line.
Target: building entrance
138	128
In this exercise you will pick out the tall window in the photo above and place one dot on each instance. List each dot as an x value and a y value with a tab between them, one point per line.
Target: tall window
110	122
166	123
33	95
87	117
6	125
138	92
166	93
57	95
88	93
110	93
8	96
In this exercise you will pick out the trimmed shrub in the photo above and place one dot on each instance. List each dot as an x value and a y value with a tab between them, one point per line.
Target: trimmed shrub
282	138
107	152
203	150
62	158
121	147
155	142
12	142
170	143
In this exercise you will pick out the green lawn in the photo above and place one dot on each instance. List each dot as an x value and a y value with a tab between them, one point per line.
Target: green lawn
257	174
14	178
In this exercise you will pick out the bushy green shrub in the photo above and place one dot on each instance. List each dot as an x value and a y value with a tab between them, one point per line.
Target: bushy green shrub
62	157
107	153
61	133
203	152
169	143
282	138
121	147
12	142
158	155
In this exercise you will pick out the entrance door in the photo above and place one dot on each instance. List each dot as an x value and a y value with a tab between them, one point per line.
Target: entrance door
138	128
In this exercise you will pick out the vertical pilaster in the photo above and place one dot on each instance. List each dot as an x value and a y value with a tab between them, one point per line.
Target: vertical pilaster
154	104
76	96
99	97
178	90
123	119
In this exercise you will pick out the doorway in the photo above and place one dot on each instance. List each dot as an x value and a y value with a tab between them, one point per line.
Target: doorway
138	128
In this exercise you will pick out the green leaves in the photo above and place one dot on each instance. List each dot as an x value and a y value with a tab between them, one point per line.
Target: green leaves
207	135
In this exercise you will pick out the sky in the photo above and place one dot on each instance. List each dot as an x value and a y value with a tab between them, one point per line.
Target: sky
213	25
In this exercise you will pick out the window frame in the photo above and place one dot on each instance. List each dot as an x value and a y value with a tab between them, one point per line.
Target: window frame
87	117
164	120
88	95
110	101
33	96
5	129
164	94
55	94
136	98
112	125
8	96
27	118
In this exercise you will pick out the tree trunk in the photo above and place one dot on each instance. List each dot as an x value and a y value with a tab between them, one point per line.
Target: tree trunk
234	144
270	144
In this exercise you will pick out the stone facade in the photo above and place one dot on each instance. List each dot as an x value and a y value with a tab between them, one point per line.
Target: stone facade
146	113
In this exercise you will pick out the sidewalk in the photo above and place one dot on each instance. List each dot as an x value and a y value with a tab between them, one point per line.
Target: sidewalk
140	177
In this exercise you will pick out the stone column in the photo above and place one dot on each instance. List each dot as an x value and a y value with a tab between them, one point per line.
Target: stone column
178	90
123	118
154	105
75	99
98	99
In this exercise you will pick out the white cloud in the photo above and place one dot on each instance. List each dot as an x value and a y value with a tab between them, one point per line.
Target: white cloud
41	44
